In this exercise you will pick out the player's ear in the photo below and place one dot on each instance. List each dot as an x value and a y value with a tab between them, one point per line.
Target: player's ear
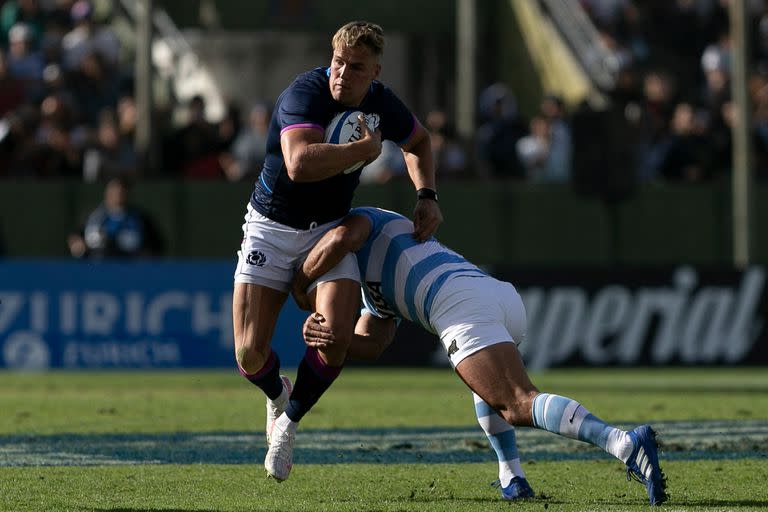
377	71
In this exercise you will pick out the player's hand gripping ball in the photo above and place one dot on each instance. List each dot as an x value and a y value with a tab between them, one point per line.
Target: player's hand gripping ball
345	127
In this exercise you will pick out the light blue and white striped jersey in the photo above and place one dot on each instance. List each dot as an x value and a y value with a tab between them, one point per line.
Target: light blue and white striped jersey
402	276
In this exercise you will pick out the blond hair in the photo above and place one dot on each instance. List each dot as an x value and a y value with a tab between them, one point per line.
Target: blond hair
360	33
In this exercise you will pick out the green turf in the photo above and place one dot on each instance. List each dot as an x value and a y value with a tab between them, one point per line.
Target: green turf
560	486
53	403
205	401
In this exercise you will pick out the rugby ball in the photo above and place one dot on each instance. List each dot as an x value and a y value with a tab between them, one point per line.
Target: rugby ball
344	128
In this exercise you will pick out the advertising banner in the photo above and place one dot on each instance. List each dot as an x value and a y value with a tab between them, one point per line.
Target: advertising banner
177	314
673	316
102	315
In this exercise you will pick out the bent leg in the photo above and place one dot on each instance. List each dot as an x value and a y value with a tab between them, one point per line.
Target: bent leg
338	301
498	375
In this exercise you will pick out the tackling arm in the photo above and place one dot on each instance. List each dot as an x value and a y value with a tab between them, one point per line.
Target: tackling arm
349	236
307	158
372	335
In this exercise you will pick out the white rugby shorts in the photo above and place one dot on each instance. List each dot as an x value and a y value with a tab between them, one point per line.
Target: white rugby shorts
272	252
471	313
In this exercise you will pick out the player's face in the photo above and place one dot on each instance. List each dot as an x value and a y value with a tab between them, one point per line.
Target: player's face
352	71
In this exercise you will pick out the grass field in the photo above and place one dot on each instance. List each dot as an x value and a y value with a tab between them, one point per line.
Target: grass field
379	440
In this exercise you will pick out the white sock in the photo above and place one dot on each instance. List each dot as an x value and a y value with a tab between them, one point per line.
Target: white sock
508	470
285	424
619	444
282	400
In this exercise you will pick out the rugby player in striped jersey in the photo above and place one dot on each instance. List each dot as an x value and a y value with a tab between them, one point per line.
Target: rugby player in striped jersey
480	320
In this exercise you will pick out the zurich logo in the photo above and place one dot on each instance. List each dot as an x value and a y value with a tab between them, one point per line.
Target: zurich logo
256	258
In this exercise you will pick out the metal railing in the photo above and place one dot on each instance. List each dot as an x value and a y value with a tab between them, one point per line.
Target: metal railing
176	61
583	38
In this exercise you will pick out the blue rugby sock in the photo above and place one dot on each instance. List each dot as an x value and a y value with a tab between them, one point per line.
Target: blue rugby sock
567	417
313	378
268	378
501	435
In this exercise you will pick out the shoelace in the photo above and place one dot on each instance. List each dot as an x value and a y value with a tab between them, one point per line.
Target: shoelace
631	475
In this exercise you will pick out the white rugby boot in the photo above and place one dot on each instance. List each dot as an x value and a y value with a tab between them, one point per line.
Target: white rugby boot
279	459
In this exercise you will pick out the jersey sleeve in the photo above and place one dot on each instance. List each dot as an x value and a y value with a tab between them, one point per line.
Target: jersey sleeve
301	108
368	213
398	122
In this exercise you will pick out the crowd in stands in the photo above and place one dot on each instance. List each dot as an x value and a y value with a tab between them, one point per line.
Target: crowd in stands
668	119
67	107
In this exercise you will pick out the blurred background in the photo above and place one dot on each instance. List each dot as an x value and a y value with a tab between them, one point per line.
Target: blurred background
608	157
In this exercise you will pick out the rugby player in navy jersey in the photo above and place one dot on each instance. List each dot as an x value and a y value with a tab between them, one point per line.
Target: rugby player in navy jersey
480	321
301	193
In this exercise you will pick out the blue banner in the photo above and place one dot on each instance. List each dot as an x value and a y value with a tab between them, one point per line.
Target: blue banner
171	314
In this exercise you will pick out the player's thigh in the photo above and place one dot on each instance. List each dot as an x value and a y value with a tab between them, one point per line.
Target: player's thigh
255	310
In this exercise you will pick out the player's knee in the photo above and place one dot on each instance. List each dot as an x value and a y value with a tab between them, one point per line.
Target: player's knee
517	408
249	360
334	355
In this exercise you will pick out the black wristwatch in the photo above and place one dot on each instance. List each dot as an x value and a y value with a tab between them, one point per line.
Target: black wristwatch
426	193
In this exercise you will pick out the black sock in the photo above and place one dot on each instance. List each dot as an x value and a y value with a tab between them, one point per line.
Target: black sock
268	378
313	377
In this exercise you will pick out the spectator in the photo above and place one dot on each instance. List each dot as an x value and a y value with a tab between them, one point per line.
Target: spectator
229	127
116	230
88	37
94	87
24	62
57	147
19	157
558	165
684	152
112	155
449	156
11	89
193	149
497	136
605	169
652	123
533	149
22	11
59	17
127	116
246	158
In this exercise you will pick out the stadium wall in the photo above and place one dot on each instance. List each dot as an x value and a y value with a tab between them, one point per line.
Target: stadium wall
496	224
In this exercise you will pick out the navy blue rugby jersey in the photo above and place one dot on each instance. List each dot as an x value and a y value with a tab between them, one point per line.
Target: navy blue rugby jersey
307	103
